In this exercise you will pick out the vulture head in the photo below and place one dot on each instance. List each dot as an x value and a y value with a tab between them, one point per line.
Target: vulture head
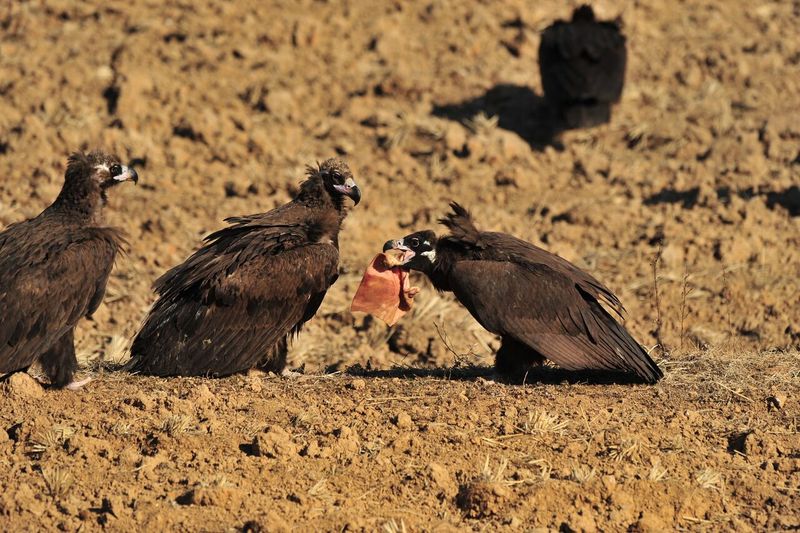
338	180
419	250
88	178
583	13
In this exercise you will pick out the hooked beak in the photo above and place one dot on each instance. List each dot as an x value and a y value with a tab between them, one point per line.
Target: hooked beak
349	188
398	244
128	174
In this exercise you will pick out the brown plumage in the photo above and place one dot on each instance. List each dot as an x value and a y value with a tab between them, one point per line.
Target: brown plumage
540	304
54	269
582	65
232	305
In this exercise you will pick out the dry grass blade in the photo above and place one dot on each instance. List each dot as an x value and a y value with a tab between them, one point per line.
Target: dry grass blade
540	422
544	466
709	479
116	350
582	473
493	476
319	488
627	450
657	473
175	425
121	429
49	439
393	526
399	130
58	481
482	123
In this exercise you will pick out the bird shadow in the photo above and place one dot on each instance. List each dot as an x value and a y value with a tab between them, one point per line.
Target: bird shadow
544	375
517	108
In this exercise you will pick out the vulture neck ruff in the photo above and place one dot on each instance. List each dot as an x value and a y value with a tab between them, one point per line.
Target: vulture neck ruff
314	194
446	254
81	201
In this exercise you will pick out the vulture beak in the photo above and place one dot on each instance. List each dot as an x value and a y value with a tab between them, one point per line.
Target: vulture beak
128	174
408	253
349	188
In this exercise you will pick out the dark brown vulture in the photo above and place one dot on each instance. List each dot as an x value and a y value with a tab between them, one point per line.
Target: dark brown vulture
582	64
54	269
540	304
233	304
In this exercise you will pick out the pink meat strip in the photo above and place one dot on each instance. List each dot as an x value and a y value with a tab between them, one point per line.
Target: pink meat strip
385	290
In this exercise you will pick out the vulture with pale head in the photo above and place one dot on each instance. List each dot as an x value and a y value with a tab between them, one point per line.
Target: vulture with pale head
54	269
232	305
582	65
542	306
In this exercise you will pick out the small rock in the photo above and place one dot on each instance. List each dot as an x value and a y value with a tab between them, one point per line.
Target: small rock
578	521
441	479
104	73
649	522
224	497
23	386
280	103
672	256
481	499
455	136
403	420
776	401
347	440
357	384
202	396
140	401
512	145
255	384
275	443
252	526
514	522
312	449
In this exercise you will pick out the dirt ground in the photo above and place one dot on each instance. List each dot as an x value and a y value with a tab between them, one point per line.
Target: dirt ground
687	205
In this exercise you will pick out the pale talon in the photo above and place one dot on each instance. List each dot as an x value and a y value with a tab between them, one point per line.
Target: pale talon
286	373
75	385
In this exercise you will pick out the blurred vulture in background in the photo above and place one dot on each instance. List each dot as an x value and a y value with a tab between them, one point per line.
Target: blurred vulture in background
582	64
54	269
541	305
232	305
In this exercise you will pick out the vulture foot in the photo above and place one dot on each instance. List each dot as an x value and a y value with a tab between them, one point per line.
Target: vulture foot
75	385
291	374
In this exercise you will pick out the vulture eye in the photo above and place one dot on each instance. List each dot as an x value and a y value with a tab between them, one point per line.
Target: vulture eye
115	170
414	242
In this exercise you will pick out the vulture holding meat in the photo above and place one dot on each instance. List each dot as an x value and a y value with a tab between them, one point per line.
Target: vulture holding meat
232	305
582	64
54	269
541	305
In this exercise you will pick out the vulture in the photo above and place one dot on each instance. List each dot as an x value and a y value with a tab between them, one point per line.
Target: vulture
582	64
54	269
542	306
232	305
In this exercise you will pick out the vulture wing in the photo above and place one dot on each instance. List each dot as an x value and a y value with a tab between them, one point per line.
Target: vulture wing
504	247
50	279
553	313
582	61
227	307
